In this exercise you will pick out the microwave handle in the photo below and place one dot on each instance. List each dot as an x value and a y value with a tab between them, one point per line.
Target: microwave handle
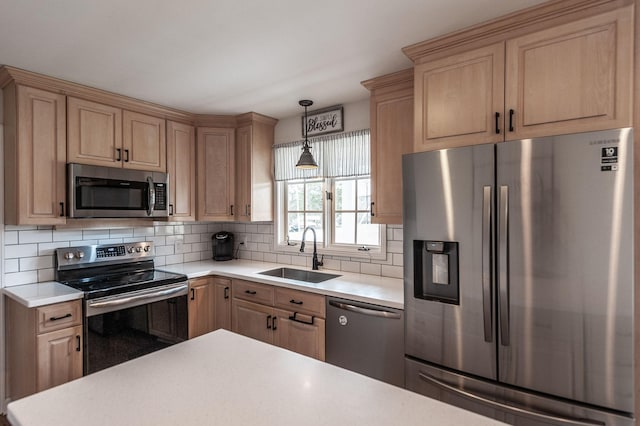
152	196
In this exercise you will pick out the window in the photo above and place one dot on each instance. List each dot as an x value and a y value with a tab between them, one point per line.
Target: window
334	199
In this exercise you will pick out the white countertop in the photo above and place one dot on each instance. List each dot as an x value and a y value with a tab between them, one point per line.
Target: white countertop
222	378
374	289
360	287
45	293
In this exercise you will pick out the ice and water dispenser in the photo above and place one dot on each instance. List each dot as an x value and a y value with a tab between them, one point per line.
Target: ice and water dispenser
436	271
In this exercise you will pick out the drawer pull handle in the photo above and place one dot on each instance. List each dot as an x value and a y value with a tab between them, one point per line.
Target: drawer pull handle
511	112
269	322
294	318
193	294
77	343
62	317
250	291
296	302
226	292
273	323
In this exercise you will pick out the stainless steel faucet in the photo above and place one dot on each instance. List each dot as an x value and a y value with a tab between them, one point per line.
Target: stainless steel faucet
315	250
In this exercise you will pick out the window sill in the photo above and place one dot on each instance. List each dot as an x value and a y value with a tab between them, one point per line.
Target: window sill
353	253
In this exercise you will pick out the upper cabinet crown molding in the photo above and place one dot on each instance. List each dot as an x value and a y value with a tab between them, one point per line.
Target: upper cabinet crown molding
253	117
543	16
394	81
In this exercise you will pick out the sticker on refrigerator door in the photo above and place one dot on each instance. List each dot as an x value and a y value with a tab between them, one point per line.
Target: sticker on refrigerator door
342	320
609	159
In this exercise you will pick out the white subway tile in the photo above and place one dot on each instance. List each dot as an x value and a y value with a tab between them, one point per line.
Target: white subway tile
394	247
257	256
37	262
19	227
265	247
398	234
186	229
165	230
40	236
265	229
391	271
198	229
239	227
11	237
178	229
299	260
251	228
121	233
50	248
172	239
186	248
205	255
19	278
67	235
159	261
251	246
284	258
212	227
271	257
370	269
267	238
205	237
46	274
191	238
111	241
350	266
176	258
11	265
245	255
398	259
256	238
164	250
85	243
95	234
21	250
148	231
192	257
331	264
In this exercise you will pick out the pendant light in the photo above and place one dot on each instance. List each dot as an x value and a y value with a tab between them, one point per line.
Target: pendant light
306	160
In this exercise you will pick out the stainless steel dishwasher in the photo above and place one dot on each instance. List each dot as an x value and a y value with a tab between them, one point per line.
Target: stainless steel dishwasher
367	339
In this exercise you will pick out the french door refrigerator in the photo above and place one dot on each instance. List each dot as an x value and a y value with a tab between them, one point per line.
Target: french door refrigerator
518	274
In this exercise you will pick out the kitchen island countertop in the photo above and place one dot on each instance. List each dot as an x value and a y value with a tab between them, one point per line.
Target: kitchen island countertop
226	379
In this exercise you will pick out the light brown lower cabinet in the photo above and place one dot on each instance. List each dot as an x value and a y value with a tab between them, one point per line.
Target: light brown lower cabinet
291	319
209	305
44	346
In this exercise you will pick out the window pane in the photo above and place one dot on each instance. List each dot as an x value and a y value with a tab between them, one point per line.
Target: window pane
295	226
368	234
314	196
295	196
364	194
345	195
315	220
345	227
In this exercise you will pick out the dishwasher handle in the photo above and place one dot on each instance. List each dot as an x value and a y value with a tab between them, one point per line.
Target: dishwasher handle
365	311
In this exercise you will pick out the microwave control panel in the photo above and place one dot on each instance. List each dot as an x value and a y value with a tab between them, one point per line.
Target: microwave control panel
161	196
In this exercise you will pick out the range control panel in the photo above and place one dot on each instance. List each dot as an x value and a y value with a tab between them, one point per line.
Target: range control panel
86	255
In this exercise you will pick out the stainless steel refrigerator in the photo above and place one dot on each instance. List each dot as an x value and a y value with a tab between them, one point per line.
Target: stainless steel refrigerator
518	274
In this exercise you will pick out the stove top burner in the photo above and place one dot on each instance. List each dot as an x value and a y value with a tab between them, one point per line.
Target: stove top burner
97	277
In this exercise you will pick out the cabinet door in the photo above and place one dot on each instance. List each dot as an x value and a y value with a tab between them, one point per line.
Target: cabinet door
222	308
144	144
215	174
252	320
201	306
35	160
243	175
181	166
95	133
304	334
391	137
457	98
59	357
572	78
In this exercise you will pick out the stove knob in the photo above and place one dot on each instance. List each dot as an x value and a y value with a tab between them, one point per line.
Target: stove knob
79	254
130	249
146	248
138	249
69	255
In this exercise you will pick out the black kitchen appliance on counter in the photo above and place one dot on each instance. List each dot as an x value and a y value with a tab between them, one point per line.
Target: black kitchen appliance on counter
222	245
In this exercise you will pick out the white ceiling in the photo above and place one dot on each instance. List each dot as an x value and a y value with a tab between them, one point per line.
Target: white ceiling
229	56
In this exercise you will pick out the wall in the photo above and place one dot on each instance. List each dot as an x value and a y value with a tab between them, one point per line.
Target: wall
29	250
356	116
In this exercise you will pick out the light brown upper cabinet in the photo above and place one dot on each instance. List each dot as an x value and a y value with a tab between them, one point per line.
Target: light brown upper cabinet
103	135
181	160
391	137
216	179
34	156
254	175
573	77
144	145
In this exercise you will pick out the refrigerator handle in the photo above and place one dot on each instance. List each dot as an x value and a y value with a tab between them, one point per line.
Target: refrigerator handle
508	407
486	263
503	264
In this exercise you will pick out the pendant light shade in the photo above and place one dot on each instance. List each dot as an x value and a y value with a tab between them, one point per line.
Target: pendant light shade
306	160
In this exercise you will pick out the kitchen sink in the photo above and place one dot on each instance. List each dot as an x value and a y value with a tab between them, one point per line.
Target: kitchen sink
299	274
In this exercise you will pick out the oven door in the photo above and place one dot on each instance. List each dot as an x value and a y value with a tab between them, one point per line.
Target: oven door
125	326
96	191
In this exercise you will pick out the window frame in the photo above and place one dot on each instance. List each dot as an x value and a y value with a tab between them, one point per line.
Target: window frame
327	247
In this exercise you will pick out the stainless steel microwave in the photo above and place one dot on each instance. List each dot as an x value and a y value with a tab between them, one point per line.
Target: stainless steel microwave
108	192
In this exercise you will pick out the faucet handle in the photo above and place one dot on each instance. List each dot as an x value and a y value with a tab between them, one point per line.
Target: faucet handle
321	262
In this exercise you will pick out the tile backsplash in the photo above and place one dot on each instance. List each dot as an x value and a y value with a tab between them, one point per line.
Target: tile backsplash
29	250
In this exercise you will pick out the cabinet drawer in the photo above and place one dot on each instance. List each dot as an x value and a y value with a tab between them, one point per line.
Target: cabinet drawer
253	292
300	301
59	315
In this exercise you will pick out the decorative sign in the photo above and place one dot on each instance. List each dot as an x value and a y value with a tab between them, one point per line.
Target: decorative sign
321	122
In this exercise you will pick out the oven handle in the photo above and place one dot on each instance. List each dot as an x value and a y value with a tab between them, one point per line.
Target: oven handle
118	301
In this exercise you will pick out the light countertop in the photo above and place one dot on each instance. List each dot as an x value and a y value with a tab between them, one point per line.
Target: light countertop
373	289
222	378
45	293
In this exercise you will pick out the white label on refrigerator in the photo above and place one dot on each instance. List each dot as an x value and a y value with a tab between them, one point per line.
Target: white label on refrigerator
609	158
